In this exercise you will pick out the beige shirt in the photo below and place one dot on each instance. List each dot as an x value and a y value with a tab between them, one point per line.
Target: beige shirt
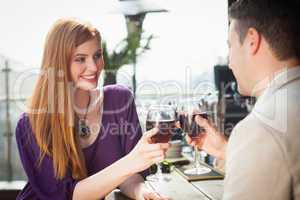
263	153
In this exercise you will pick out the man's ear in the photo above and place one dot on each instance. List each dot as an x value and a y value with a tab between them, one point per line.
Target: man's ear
253	40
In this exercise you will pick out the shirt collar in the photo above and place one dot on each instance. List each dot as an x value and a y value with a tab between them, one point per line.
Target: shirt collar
272	106
283	77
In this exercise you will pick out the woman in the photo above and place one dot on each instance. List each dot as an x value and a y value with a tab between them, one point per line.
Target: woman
76	142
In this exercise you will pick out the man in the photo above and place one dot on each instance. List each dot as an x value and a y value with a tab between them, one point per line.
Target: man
263	153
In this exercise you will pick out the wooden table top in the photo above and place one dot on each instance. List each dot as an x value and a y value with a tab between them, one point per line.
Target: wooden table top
177	188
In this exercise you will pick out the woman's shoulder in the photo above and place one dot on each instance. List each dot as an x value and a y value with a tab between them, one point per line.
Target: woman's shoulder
117	89
118	97
118	92
23	126
23	120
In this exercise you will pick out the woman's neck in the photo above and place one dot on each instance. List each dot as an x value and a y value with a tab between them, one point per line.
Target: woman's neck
81	101
86	101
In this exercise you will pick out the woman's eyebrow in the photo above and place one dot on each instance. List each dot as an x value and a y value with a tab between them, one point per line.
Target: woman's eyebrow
85	55
81	54
99	50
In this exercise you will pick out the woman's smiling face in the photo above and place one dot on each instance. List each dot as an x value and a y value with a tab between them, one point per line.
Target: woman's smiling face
86	64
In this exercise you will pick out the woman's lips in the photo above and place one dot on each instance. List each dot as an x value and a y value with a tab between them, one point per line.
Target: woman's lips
90	78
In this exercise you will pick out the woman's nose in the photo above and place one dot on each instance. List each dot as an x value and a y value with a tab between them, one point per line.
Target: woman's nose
92	66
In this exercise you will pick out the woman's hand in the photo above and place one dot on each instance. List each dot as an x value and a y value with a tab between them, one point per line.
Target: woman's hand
135	188
151	195
146	154
211	141
145	193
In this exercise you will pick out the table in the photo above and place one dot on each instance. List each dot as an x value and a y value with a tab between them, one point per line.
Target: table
173	186
178	188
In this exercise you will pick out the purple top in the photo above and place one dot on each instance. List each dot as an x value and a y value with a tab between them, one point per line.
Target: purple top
119	133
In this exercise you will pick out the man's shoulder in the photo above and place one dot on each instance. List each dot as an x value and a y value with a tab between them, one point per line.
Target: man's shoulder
250	125
254	160
251	131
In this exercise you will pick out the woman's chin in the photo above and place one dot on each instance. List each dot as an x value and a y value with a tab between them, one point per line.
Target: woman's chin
87	86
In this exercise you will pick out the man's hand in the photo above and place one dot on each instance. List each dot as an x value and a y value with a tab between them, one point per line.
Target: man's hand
211	140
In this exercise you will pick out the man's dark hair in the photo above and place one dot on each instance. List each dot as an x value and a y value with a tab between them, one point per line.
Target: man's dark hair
276	20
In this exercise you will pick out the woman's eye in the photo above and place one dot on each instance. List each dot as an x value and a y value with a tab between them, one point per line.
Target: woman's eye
80	59
97	56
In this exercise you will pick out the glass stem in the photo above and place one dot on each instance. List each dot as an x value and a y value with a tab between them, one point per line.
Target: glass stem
158	173
196	159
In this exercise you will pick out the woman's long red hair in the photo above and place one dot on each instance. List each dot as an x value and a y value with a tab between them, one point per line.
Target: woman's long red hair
51	111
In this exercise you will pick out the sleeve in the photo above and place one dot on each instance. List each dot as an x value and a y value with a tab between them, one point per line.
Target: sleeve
132	128
41	178
255	165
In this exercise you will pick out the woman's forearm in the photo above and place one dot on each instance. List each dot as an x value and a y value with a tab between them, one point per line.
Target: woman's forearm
102	183
133	186
141	157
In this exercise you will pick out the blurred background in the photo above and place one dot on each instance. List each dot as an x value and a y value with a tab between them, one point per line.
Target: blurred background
182	52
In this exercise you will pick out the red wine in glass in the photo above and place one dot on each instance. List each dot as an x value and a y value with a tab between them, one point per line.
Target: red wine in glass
162	117
183	119
194	129
166	128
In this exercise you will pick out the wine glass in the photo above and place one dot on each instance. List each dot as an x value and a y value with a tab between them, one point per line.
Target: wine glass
162	117
194	131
